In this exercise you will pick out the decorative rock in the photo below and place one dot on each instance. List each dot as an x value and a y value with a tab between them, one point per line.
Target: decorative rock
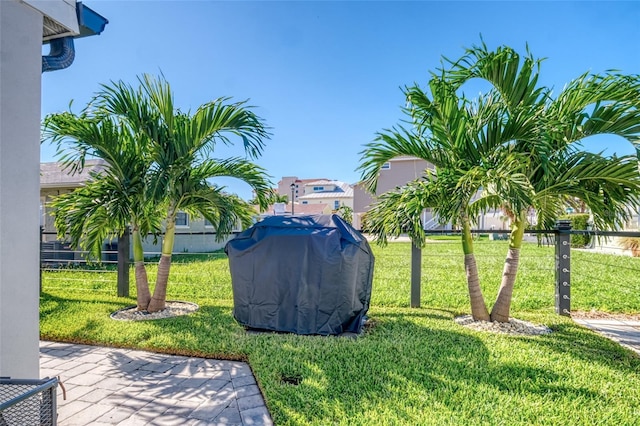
514	326
173	308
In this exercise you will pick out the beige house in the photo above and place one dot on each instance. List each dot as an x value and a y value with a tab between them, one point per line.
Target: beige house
398	172
193	234
394	173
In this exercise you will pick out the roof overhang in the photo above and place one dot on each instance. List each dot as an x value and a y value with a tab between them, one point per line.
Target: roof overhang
64	18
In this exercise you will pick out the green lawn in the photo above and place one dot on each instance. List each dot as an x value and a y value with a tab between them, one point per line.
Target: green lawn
412	366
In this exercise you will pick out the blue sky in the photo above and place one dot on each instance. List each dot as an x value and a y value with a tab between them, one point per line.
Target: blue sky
326	76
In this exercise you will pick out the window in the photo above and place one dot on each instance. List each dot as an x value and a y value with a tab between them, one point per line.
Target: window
305	202
318	188
208	224
182	219
386	166
336	205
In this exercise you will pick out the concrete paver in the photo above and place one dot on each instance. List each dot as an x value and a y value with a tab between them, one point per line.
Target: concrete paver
625	332
109	386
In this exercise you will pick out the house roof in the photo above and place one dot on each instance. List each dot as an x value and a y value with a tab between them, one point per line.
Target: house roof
341	190
405	158
52	175
304	182
322	182
71	19
296	180
299	209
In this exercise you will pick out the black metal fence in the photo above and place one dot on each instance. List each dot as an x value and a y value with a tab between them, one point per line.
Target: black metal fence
560	237
116	265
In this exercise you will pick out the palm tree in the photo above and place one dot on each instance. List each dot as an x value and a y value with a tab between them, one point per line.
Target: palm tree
346	213
114	198
274	197
558	171
448	133
179	146
518	146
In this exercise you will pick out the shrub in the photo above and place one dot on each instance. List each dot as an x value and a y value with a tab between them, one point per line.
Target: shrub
579	221
631	243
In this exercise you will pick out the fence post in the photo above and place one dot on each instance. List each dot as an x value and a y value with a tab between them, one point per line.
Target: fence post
123	264
40	266
563	267
416	272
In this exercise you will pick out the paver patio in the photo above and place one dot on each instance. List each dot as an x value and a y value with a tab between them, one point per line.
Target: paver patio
108	386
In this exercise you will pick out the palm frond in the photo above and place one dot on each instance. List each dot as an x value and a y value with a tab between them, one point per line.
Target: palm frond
398	212
388	145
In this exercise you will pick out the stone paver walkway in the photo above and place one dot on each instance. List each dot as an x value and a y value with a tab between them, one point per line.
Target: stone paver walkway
107	386
625	332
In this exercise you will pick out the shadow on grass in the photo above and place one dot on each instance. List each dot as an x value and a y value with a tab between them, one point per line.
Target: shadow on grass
211	331
582	343
406	363
192	257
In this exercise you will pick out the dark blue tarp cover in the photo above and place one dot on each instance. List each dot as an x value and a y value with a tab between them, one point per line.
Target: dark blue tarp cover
301	274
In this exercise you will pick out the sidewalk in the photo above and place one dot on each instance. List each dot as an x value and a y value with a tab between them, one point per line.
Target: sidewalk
625	332
107	386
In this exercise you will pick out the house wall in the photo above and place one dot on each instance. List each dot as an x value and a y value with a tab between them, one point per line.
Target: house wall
46	212
324	191
195	243
330	201
198	240
284	187
361	199
20	85
401	171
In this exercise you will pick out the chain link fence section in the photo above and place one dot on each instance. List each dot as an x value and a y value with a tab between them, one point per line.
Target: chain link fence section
28	402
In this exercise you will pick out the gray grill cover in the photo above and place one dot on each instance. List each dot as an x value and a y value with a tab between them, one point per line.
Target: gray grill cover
301	274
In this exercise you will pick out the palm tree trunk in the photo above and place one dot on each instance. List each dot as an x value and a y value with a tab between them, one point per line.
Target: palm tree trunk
500	310
143	295
159	299
479	310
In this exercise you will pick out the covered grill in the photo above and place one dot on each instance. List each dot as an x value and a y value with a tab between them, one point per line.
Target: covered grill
301	274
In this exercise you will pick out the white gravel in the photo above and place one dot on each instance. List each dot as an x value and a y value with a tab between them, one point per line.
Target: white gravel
514	326
173	308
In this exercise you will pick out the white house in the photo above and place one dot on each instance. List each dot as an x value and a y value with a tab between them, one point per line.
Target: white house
24	26
332	192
